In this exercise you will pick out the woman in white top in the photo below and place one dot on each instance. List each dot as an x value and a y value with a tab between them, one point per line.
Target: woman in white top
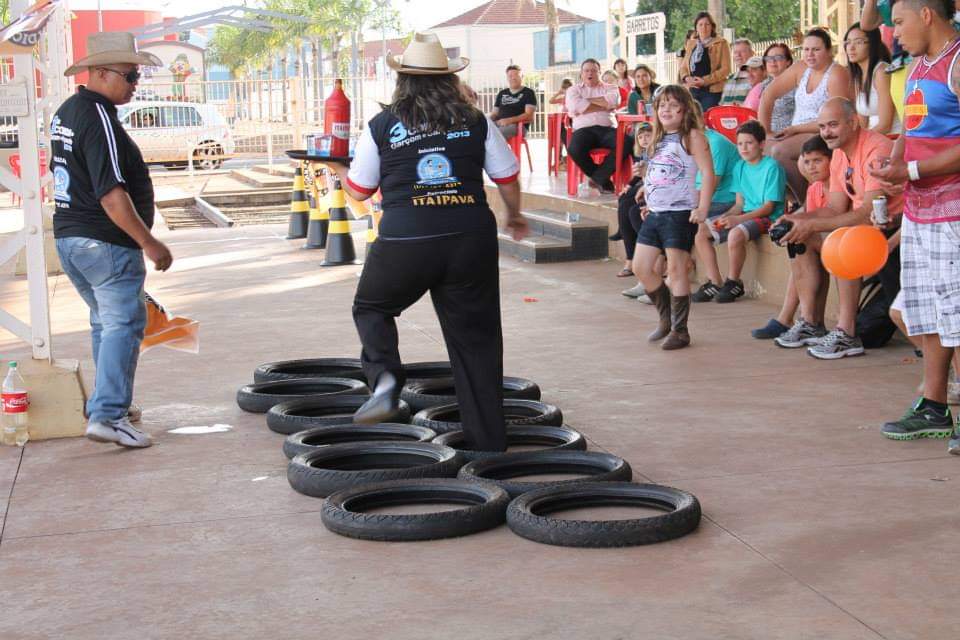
867	59
815	81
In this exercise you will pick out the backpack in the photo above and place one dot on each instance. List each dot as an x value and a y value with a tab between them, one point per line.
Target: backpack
874	326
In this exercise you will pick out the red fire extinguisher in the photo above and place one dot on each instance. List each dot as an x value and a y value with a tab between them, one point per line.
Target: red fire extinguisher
336	120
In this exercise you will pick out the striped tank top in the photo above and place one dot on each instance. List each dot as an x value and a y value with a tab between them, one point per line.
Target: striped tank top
931	124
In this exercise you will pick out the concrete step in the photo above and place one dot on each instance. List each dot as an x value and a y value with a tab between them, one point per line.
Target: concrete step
257	215
284	170
261	180
189	217
557	236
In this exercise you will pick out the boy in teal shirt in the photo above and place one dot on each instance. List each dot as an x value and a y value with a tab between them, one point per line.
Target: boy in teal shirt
725	161
760	184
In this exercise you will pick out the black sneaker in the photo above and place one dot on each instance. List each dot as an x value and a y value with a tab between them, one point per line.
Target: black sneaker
705	293
730	291
920	423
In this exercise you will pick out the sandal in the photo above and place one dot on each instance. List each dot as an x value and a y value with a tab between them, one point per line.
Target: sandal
625	273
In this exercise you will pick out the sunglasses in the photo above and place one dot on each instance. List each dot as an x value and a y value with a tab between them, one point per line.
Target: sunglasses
130	76
848	182
777	58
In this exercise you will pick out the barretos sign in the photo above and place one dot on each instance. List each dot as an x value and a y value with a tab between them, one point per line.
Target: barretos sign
647	23
25	32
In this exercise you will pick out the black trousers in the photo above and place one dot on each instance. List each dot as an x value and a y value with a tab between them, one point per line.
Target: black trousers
461	273
597	137
628	217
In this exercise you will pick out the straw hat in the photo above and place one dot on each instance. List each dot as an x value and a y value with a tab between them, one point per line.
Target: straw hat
425	56
117	47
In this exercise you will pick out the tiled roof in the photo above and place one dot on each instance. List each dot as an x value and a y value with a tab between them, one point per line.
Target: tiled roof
505	12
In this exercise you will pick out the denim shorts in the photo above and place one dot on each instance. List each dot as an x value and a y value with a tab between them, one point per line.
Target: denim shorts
668	230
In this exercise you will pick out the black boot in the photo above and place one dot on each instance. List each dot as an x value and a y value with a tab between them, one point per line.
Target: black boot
679	336
661	298
383	405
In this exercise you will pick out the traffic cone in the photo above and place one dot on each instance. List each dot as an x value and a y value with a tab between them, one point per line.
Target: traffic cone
339	242
373	221
319	217
299	207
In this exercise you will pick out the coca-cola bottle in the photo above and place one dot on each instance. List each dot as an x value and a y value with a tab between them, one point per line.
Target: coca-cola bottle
15	405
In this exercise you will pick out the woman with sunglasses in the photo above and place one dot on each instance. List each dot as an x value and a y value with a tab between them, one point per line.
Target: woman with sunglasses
814	82
777	59
868	59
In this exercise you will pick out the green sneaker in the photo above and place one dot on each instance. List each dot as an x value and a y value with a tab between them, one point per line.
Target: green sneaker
919	423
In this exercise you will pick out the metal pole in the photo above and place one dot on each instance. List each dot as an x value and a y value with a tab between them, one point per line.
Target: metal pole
99	16
383	43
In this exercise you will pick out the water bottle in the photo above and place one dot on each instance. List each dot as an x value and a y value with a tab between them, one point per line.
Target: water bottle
15	405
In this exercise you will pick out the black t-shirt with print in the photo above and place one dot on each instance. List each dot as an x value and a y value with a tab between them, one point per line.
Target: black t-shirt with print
91	155
432	184
511	105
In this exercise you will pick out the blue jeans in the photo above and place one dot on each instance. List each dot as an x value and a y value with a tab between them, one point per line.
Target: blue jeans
109	278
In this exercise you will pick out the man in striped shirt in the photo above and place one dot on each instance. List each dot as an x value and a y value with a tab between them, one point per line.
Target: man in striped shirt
104	211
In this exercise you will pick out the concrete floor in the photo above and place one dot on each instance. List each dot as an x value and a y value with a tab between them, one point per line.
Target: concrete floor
814	525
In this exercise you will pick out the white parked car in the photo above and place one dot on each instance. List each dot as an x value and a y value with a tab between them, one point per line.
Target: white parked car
167	132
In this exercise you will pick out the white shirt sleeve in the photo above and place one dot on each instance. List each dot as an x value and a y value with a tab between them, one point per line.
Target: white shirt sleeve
499	162
364	174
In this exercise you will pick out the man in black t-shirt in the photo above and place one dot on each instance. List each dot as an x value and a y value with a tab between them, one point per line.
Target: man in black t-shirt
514	105
104	211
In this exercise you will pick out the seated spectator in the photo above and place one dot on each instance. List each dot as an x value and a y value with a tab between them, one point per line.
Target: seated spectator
867	59
809	329
470	93
640	101
759	183
725	161
560	98
623	81
706	62
515	105
848	202
818	79
628	208
591	104
738	83
757	72
778	59
609	77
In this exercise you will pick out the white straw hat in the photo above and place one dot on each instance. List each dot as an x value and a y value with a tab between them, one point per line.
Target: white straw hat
118	47
426	56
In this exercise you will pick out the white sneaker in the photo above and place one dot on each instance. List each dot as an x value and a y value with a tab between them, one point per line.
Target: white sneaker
634	292
644	299
118	431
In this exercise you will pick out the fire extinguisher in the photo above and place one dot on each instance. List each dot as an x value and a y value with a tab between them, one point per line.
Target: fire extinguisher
336	120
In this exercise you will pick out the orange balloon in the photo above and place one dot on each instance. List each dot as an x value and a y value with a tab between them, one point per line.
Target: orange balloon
863	250
830	255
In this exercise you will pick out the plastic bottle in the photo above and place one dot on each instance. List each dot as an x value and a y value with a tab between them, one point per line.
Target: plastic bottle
336	120
15	405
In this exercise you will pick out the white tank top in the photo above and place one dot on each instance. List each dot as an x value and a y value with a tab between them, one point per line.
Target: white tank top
808	104
671	177
870	109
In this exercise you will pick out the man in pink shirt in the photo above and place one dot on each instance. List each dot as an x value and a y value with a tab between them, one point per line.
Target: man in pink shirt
591	104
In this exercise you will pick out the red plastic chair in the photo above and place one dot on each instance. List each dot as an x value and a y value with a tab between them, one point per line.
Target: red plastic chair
726	119
515	143
554	123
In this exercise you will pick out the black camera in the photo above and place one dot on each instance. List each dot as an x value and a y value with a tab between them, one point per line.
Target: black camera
781	229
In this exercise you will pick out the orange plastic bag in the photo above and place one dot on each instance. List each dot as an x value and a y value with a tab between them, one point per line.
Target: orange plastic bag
164	330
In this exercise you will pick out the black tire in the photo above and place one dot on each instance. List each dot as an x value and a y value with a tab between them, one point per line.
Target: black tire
321	411
486	505
427	370
313	439
550	438
446	417
526	515
310	368
500	469
339	466
259	397
423	394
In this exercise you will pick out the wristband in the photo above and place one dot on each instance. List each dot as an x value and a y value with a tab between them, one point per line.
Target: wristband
913	170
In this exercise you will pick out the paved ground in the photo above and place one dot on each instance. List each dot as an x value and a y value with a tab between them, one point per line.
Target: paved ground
814	527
